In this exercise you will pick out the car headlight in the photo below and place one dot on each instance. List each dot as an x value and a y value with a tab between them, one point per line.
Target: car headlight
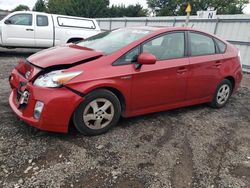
55	78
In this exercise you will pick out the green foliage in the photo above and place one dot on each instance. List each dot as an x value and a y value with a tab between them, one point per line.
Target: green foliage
93	8
90	8
176	8
100	8
83	8
130	11
20	8
59	7
40	6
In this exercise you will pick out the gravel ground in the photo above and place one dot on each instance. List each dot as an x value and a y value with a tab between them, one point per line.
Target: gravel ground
189	147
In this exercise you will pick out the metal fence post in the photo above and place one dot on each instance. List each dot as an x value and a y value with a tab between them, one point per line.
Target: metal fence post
110	24
146	22
174	22
216	25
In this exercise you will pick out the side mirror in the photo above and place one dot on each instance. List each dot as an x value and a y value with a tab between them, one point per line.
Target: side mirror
7	22
146	58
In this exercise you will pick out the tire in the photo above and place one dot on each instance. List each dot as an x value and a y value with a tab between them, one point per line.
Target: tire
99	112
222	94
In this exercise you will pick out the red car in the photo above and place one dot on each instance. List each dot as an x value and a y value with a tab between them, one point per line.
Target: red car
125	72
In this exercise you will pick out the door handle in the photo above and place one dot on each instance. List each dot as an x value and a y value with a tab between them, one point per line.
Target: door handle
29	29
182	70
217	64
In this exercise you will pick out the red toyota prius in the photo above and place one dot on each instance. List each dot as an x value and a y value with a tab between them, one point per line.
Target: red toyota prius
125	72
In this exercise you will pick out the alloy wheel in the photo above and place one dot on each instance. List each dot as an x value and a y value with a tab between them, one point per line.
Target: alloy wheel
98	113
223	94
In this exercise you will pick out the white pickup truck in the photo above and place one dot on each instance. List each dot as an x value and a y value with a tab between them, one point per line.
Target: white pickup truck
40	30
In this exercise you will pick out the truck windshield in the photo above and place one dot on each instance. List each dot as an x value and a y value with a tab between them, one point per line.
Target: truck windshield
111	41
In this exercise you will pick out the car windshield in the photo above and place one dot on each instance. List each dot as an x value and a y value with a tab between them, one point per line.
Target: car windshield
111	41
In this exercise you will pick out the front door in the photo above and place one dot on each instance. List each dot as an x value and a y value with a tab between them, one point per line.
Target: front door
164	83
19	31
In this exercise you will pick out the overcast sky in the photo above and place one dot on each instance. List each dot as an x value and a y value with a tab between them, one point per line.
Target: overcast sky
10	4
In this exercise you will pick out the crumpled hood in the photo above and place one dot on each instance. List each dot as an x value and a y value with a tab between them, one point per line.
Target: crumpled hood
63	55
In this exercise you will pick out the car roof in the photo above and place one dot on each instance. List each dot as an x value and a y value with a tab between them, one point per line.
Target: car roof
163	28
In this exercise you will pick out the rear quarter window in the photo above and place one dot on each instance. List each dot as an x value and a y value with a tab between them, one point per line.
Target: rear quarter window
221	45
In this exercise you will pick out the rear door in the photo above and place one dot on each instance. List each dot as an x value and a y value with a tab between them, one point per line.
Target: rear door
164	83
20	30
44	31
204	66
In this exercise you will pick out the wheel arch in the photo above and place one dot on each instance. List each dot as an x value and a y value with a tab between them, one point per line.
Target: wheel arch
232	80
117	93
74	39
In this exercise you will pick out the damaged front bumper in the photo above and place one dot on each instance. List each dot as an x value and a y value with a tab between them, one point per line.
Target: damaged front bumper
58	104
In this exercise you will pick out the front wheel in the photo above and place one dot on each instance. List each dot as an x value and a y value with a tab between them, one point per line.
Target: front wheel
99	112
222	94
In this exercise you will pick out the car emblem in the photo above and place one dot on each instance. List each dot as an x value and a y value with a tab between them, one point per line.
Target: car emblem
27	74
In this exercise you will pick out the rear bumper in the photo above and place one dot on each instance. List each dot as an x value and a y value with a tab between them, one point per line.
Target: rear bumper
238	79
59	105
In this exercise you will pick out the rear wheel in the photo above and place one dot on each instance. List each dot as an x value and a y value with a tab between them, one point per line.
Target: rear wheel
99	112
222	94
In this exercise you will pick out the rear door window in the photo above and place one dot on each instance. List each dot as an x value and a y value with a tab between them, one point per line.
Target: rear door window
42	20
201	44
